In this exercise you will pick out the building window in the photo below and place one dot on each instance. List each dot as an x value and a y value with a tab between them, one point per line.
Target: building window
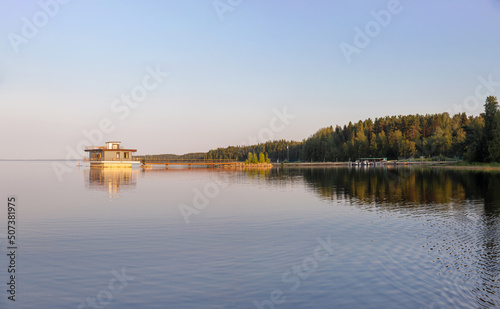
126	155
118	155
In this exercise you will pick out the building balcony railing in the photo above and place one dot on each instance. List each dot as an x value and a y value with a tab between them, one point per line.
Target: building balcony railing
102	147
94	147
113	159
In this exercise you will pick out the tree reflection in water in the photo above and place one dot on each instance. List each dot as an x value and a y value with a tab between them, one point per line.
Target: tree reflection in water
464	206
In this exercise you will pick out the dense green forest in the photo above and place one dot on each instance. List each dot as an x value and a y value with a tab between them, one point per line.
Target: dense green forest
393	137
276	150
477	139
474	138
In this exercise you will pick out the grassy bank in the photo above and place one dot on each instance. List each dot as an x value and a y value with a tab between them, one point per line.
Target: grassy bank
472	166
464	163
433	164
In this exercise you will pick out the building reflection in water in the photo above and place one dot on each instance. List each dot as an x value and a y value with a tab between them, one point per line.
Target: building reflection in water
110	180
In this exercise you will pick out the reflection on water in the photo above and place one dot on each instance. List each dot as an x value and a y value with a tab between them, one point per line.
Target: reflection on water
454	253
256	173
459	211
462	236
403	237
110	180
405	186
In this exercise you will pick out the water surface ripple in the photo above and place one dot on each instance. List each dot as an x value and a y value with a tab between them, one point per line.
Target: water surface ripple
400	238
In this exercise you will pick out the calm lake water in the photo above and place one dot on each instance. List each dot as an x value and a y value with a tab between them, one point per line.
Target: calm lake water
298	238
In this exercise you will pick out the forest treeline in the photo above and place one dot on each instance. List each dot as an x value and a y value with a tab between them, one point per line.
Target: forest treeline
276	150
187	156
474	138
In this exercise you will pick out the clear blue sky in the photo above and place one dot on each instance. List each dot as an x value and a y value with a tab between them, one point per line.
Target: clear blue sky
226	76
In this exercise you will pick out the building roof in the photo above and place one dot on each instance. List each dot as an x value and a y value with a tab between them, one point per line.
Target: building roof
106	149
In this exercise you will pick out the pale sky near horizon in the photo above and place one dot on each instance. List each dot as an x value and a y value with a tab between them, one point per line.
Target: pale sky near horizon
226	77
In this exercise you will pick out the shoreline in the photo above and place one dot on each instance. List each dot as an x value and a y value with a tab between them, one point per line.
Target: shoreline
435	164
470	167
341	164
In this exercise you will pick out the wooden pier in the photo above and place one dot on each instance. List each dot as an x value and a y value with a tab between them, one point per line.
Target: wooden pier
146	163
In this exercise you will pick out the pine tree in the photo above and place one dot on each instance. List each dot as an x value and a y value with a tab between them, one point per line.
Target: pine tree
494	144
491	138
